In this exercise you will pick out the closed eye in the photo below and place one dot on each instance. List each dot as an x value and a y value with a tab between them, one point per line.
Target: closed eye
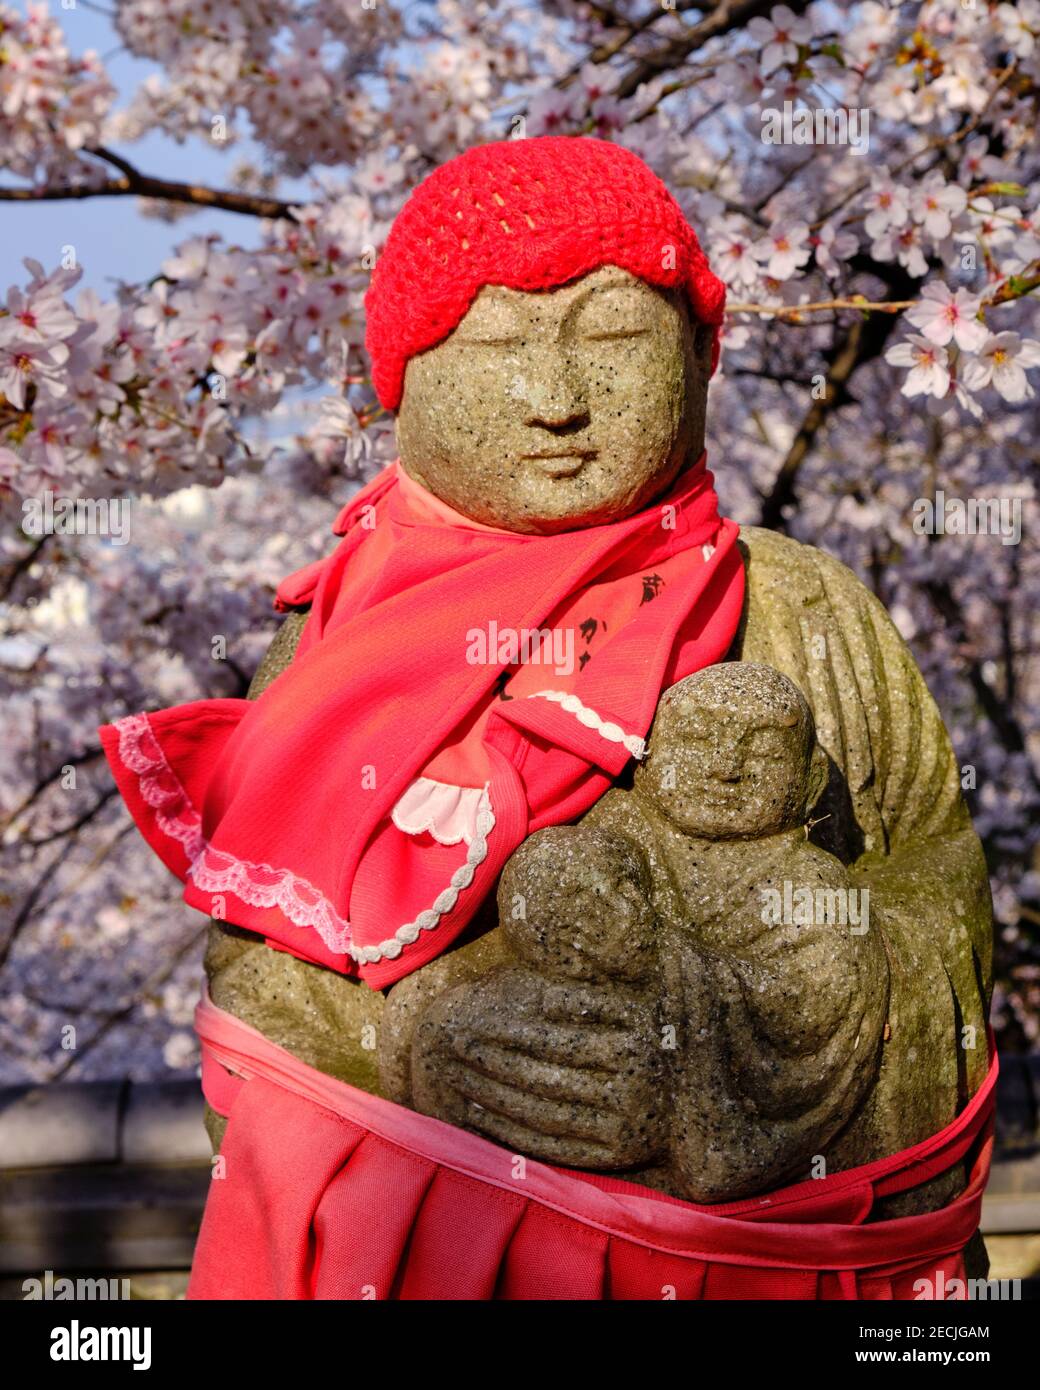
615	333
488	342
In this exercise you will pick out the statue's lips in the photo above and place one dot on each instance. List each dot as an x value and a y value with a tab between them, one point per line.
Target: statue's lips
562	463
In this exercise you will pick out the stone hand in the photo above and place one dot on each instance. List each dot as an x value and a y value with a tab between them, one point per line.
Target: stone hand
565	1071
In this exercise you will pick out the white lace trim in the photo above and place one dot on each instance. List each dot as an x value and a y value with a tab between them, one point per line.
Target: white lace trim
447	812
613	733
460	880
260	885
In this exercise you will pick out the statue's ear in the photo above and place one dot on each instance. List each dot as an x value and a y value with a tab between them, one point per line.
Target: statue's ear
703	337
819	773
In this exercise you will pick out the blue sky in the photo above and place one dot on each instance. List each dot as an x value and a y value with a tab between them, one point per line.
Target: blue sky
112	240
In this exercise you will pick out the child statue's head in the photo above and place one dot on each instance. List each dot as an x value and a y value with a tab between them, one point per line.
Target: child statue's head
733	753
544	323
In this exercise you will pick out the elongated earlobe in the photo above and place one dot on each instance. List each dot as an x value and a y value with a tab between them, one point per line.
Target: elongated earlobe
703	337
819	773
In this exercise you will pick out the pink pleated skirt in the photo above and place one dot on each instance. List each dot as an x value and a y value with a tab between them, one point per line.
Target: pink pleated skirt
322	1191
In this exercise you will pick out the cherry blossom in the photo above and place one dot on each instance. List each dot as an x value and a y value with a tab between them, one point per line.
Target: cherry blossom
897	95
888	205
977	164
874	29
1001	362
936	203
963	84
784	249
832	247
929	373
779	37
51	103
994	227
36	318
733	253
1020	26
905	245
226	398
943	316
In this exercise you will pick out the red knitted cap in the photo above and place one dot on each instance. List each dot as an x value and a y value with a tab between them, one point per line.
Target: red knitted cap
530	215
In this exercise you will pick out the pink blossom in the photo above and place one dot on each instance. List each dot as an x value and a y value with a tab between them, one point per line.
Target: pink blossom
896	95
1020	26
929	373
936	203
552	112
779	36
904	246
977	164
37	364
733	252
35	318
888	205
784	249
1002	364
832	247
944	316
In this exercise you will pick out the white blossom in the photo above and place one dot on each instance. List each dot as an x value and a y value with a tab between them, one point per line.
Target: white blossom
779	37
945	316
936	203
784	249
1002	363
929	373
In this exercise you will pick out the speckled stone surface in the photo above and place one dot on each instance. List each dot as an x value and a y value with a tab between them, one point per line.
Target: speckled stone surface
632	1012
605	379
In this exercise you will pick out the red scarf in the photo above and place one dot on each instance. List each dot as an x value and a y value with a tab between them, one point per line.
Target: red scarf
305	815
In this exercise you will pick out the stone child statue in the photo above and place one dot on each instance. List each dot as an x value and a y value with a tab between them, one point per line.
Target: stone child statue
664	894
545	327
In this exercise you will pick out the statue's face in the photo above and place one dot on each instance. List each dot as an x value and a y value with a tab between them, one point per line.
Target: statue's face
731	753
550	411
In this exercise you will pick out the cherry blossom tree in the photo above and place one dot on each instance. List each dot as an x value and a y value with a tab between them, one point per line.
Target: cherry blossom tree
879	354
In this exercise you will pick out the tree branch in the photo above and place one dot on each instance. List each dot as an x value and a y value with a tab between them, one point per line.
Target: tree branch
999	711
783	311
864	340
72	760
630	27
134	184
18	567
81	820
729	14
148	986
844	359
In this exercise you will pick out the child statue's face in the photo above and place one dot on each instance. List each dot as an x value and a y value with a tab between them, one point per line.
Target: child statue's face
550	411
732	753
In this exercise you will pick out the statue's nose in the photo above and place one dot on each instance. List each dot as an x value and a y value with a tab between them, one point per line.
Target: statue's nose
558	417
726	764
553	401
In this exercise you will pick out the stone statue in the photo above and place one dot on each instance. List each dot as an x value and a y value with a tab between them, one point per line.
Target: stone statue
742	938
631	1012
673	894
